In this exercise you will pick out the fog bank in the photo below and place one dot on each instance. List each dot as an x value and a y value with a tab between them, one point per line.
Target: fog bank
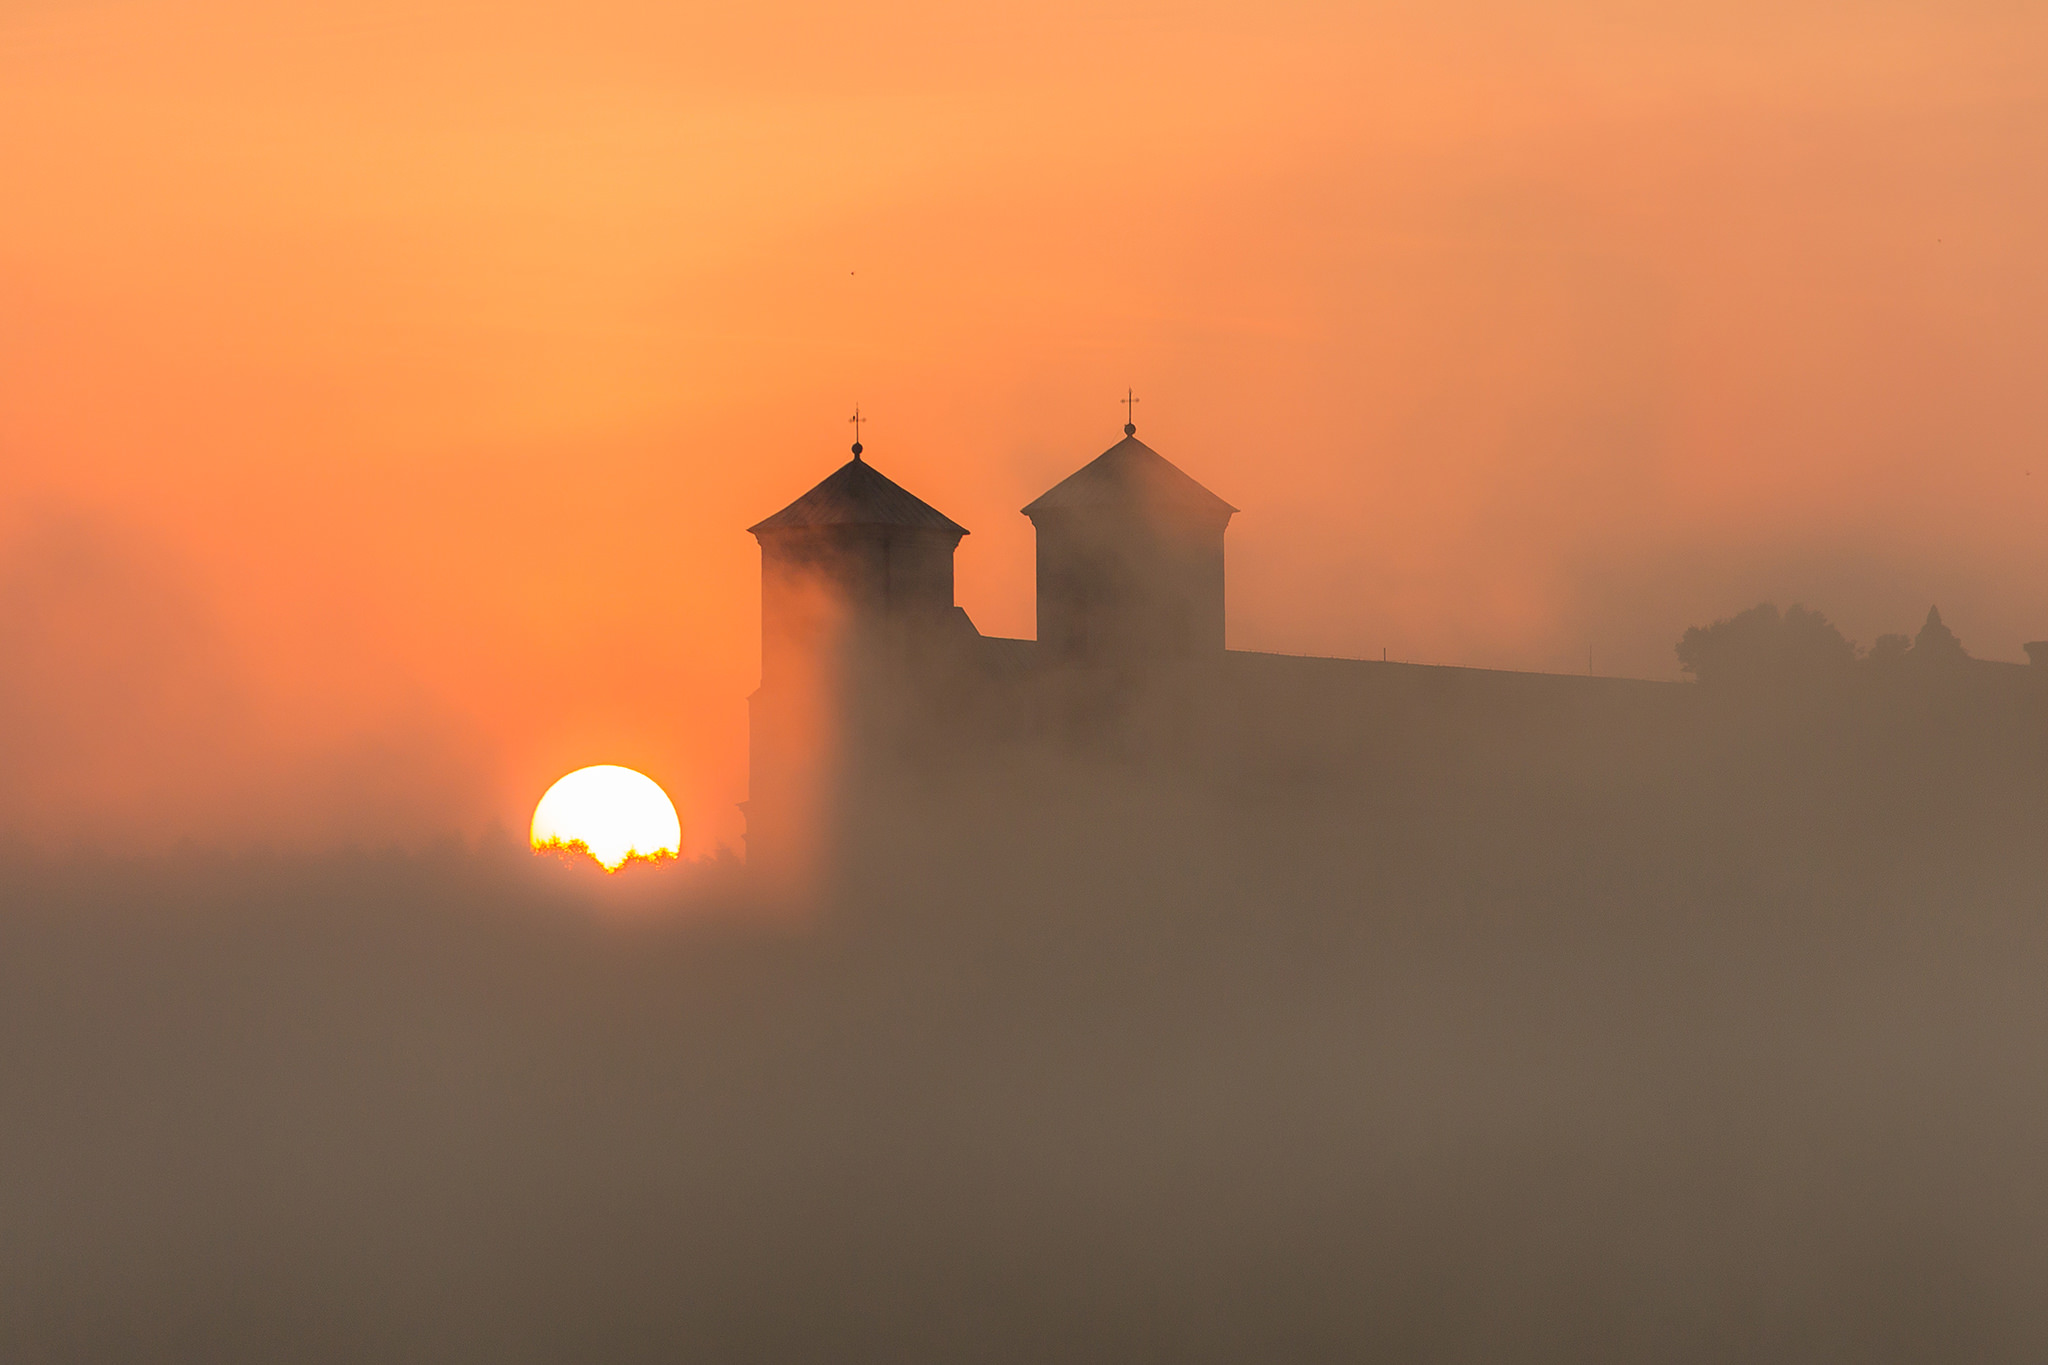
1703	1066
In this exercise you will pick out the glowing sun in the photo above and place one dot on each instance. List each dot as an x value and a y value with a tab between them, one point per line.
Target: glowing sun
612	811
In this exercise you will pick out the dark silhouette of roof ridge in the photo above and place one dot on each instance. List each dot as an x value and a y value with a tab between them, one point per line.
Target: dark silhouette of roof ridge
1128	472
858	494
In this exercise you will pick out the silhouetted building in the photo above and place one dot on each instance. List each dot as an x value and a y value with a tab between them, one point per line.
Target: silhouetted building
1130	559
854	553
850	569
872	676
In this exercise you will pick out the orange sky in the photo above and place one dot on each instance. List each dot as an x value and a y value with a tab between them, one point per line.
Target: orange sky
384	388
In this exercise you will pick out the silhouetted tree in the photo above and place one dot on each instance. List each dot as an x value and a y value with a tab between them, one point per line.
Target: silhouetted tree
1936	643
1763	647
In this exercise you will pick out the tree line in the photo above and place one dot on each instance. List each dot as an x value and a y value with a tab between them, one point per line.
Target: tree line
1764	646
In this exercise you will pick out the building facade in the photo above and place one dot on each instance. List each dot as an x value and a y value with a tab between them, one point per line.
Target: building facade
876	689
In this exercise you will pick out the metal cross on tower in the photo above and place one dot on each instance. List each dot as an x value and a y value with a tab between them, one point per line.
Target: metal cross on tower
855	419
1130	401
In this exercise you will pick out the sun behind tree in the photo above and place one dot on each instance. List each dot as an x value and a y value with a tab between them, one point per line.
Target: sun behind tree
612	813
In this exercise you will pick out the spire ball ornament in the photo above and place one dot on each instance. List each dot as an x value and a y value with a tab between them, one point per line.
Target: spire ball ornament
855	419
1130	401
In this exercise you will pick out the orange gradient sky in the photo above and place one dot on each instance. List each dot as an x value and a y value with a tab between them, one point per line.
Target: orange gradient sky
384	389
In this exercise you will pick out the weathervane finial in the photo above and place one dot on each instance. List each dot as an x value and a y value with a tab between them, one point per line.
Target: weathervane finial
1130	400
855	419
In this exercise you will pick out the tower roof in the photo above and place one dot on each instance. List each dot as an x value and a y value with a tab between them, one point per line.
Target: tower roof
857	494
1130	473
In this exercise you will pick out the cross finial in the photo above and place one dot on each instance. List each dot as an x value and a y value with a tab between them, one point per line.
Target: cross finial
1130	401
855	419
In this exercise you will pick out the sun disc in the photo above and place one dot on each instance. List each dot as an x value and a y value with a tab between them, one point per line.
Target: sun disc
612	811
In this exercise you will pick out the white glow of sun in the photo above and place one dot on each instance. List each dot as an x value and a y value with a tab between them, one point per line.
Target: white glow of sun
612	811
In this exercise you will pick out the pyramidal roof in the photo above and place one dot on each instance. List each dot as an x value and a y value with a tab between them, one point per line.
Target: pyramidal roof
1130	473
858	494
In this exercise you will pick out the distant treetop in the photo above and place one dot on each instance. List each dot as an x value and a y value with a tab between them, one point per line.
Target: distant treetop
1936	643
1762	646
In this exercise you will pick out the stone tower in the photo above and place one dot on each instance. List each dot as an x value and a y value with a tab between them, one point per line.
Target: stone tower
1130	560
854	568
855	552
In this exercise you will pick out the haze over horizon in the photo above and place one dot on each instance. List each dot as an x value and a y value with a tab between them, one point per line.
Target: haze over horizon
385	394
383	389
